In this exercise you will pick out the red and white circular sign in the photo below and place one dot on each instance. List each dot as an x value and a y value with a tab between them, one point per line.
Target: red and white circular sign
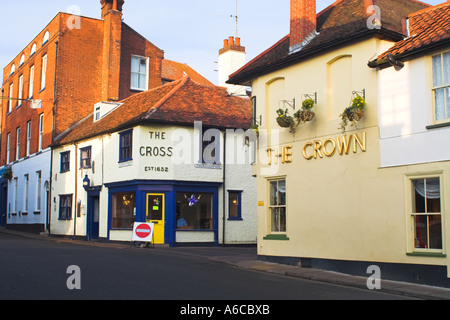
143	231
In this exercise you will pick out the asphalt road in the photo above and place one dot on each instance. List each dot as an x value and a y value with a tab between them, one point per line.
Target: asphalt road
38	270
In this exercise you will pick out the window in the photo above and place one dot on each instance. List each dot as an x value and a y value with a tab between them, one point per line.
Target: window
17	143
123	210
28	137
20	90
46	37
33	49
65	161
277	206
126	146
194	211
8	147
426	216
65	207
234	205
41	130
38	190
22	60
16	195
139	71
25	200
44	72
441	86
13	69
11	93
31	81
85	158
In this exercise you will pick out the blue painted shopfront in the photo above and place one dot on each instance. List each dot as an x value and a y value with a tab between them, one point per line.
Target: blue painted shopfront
174	193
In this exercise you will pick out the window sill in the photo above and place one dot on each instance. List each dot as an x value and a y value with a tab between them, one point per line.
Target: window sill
281	237
439	125
426	254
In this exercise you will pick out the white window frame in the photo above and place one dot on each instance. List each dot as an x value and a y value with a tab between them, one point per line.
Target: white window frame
41	131
44	72
145	87
20	97
15	196
445	86
31	87
38	190
28	138
17	143
8	148
26	178
273	206
410	214
11	94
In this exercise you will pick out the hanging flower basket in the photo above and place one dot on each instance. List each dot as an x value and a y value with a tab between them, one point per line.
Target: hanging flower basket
284	120
353	114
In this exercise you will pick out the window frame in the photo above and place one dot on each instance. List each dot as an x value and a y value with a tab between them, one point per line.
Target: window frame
145	87
28	146
238	193
446	87
86	163
123	147
410	215
65	165
41	132
67	215
44	71
271	207
17	144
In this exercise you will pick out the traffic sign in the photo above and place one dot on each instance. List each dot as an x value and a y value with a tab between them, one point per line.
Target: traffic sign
142	232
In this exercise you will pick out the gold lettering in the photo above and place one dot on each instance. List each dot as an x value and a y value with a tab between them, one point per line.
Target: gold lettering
333	151
287	153
362	144
305	155
344	146
269	154
317	149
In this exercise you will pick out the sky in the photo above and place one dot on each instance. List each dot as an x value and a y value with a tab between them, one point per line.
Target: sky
189	32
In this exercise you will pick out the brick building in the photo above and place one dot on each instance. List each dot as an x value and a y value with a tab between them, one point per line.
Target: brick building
54	82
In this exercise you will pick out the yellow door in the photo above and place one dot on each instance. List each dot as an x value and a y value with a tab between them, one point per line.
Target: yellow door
155	214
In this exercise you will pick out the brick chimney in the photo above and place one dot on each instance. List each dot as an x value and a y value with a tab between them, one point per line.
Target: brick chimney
112	43
303	23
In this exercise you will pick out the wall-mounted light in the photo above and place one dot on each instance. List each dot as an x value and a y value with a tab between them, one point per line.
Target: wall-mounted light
86	183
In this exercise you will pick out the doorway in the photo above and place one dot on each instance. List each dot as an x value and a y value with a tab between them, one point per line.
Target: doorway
155	215
93	217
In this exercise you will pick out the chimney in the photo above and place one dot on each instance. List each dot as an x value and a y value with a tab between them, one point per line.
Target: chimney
231	58
112	41
303	23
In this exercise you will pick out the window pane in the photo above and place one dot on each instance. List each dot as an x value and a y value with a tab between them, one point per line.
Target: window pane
421	233
143	65
194	210
433	195
234	205
435	233
447	68
135	80
278	219
282	192
437	71
418	187
273	193
142	78
135	64
124	210
447	90
440	104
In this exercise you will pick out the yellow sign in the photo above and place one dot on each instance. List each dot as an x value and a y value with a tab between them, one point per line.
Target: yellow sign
260	203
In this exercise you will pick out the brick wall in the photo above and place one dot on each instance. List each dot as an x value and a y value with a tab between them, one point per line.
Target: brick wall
303	20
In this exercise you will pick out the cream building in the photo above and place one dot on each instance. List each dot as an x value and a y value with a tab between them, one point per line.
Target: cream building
347	199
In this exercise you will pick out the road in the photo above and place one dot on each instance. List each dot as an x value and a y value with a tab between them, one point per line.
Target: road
33	269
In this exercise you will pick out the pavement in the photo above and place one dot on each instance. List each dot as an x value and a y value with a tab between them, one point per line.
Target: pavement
246	258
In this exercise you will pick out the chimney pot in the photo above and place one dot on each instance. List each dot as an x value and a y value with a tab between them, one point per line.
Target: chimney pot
225	43
238	41
231	40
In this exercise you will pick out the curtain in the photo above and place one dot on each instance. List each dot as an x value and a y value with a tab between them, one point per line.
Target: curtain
433	189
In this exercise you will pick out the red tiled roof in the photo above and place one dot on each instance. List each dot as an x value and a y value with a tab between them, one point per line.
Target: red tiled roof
181	102
342	22
428	29
172	71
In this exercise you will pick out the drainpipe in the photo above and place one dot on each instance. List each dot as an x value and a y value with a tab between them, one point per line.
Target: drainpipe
75	200
224	184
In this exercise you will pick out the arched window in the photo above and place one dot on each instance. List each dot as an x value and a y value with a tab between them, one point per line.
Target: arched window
33	49
13	69
22	60
339	85
46	37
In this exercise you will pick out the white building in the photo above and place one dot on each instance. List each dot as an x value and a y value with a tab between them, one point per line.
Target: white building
170	154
